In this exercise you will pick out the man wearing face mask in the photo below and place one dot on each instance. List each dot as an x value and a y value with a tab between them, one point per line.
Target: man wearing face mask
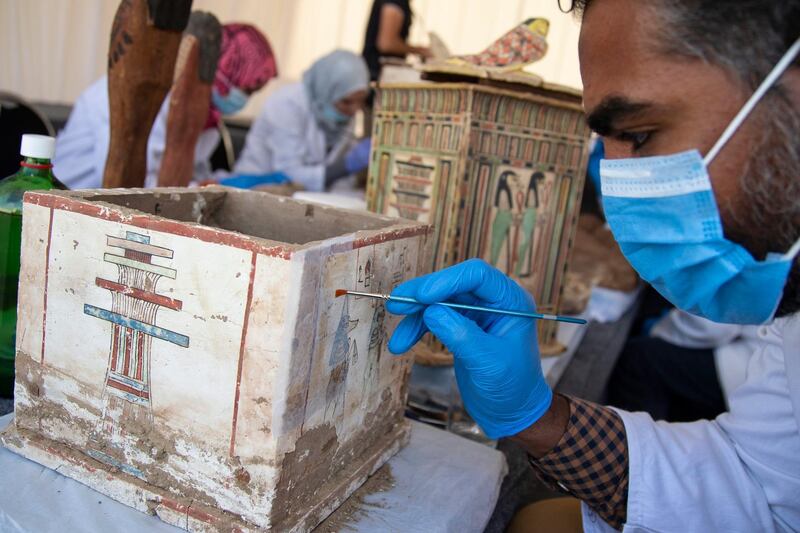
699	106
305	130
245	65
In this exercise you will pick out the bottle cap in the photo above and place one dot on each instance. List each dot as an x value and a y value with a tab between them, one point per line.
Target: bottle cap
38	146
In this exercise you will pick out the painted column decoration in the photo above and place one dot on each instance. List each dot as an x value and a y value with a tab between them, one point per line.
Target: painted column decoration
134	305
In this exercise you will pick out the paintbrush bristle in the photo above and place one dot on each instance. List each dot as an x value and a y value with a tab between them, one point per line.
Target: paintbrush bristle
340	292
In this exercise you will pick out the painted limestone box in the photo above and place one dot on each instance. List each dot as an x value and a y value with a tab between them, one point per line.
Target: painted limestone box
497	172
183	352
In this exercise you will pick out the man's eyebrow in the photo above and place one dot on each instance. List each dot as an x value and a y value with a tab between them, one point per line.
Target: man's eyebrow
611	110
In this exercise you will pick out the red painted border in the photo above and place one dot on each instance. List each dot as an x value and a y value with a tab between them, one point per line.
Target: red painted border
46	276
392	235
115	348
126	365
241	352
139	294
203	233
139	351
111	382
189	511
420	181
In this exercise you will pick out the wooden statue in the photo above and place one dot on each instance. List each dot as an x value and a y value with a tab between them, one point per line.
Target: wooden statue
190	97
141	58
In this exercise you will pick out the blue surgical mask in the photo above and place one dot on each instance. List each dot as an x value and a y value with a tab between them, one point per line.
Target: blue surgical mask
663	213
333	116
231	103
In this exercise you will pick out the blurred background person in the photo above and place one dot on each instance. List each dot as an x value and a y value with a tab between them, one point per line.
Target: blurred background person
387	34
246	64
304	132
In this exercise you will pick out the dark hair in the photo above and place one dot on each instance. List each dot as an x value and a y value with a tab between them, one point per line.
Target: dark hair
746	37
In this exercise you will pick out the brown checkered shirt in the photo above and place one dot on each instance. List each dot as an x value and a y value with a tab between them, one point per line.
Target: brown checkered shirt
590	462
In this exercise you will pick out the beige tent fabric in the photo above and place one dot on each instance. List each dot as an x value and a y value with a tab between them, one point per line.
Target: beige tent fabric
51	50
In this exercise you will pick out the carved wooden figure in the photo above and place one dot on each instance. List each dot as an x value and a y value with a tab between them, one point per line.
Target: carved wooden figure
190	97
141	59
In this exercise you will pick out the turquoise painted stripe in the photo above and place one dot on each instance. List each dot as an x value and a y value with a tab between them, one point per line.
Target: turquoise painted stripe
138	237
155	269
132	383
107	459
147	329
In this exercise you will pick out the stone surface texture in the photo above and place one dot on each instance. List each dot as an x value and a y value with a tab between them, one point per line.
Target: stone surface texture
182	351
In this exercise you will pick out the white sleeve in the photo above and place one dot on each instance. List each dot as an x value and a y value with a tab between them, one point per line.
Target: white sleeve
206	145
278	142
690	331
82	145
156	144
689	477
740	472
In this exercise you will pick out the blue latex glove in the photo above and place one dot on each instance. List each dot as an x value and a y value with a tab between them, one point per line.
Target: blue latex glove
495	356
248	181
357	159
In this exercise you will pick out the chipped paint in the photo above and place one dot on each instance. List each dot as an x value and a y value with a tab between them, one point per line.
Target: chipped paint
262	403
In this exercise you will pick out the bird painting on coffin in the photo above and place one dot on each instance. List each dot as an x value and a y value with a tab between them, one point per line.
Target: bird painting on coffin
521	46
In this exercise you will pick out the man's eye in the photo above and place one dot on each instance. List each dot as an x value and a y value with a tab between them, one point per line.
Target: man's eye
636	139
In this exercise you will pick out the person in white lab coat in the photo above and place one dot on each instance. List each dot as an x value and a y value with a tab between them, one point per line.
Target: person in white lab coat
245	65
698	104
305	129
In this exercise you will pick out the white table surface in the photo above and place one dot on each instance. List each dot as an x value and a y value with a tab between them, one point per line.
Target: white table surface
441	483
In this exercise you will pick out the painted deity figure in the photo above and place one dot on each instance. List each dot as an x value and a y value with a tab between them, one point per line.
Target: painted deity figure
514	226
529	221
504	204
339	358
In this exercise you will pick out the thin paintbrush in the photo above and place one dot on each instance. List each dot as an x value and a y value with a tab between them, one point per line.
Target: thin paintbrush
538	316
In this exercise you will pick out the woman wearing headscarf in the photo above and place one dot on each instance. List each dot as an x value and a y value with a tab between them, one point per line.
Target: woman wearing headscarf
245	65
304	130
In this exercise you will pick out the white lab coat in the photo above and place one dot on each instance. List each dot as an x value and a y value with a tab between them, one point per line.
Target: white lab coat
733	344
285	137
82	146
738	473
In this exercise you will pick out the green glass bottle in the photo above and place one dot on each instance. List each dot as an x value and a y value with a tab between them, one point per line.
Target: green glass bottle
35	174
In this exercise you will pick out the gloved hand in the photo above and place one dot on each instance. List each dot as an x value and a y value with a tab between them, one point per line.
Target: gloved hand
357	159
496	356
248	181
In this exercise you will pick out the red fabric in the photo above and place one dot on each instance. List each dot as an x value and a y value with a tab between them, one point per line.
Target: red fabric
246	61
24	163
